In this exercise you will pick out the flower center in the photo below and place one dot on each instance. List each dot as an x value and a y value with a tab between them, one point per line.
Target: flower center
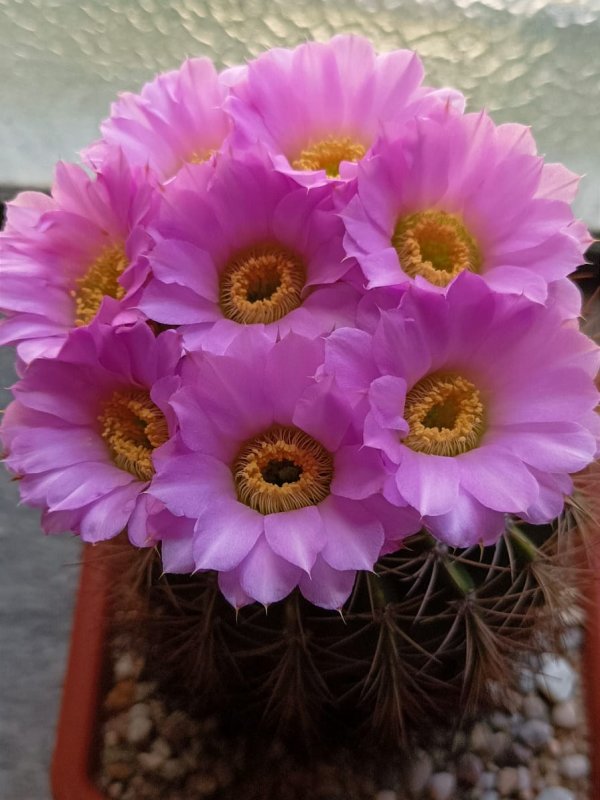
445	416
132	426
328	153
200	156
261	284
283	469
436	245
100	280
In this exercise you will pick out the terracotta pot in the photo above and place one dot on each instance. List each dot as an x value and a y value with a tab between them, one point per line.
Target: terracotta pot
591	671
77	734
77	743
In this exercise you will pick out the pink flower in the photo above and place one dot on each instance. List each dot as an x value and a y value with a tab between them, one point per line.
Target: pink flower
445	195
177	118
251	248
62	256
266	486
88	426
318	108
482	404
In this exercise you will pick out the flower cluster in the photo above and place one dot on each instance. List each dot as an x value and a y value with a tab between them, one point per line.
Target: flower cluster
288	315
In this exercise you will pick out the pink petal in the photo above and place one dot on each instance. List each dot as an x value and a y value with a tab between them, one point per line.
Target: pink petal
497	479
298	536
265	576
354	536
428	483
225	532
327	587
358	472
468	523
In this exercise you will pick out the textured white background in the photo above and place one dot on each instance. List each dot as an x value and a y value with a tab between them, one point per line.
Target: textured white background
62	62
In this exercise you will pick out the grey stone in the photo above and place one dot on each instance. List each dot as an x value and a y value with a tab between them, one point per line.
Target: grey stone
124	667
555	793
419	773
139	710
487	780
507	780
572	639
386	794
516	754
555	678
480	738
150	762
173	769
574	766
139	729
526	680
565	715
490	795
523	780
442	786
534	707
499	744
161	748
536	733
468	769
499	721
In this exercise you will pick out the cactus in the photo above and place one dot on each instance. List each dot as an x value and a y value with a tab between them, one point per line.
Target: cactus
432	630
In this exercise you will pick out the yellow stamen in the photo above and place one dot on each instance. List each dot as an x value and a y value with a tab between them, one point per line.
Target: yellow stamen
436	245
283	469
133	427
328	153
261	284
445	415
200	156
100	280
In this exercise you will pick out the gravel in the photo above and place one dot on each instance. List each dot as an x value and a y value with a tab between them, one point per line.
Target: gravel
555	678
153	749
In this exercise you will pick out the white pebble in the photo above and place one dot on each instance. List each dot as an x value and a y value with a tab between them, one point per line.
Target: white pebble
111	738
442	786
487	780
574	766
535	733
534	707
523	780
526	680
162	748
555	793
139	710
572	639
419	772
150	762
173	769
139	729
555	678
507	780
125	667
565	715
480	739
